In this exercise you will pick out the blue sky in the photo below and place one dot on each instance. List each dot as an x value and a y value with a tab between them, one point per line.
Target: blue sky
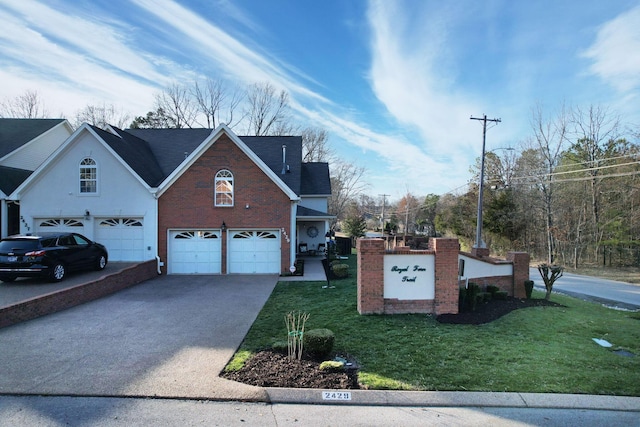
393	82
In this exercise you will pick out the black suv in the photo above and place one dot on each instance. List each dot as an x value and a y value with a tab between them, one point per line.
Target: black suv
49	255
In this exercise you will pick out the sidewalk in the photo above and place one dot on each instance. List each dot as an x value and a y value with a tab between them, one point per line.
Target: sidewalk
313	271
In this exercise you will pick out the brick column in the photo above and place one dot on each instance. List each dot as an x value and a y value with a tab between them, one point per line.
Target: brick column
480	252
520	262
446	288
370	276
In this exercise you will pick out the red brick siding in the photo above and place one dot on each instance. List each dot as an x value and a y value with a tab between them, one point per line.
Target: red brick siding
370	276
189	202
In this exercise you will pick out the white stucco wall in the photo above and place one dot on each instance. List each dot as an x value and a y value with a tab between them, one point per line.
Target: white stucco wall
476	268
55	193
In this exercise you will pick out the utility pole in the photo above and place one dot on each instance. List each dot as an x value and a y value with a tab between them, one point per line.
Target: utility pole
384	202
479	243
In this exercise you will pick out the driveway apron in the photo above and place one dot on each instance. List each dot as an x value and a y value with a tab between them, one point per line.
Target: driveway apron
167	337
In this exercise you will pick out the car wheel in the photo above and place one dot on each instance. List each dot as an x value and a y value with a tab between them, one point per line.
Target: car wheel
8	279
58	272
101	263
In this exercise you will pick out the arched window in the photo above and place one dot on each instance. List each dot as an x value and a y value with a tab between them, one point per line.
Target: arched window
224	188
88	176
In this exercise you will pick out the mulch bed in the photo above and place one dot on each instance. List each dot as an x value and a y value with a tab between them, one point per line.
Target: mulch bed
272	369
493	310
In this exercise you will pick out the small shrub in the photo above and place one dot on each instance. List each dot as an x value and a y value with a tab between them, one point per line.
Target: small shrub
492	289
462	299
332	366
319	342
472	295
501	295
484	297
528	288
280	346
340	270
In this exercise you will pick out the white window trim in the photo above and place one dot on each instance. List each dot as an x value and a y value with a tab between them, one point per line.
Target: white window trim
80	180
224	175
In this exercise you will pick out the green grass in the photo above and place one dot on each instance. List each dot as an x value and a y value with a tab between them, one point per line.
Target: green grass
540	349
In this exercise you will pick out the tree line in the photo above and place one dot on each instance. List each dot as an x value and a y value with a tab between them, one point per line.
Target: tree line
258	109
568	194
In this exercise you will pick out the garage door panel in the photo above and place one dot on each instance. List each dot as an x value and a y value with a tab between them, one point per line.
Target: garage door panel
123	237
194	252
59	225
254	252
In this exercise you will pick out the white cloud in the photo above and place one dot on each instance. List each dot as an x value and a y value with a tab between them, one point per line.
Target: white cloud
615	51
412	76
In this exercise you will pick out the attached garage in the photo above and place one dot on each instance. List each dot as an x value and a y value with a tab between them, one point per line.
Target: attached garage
123	237
59	225
194	252
254	251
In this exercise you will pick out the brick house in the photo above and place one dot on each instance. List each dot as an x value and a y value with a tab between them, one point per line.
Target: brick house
200	201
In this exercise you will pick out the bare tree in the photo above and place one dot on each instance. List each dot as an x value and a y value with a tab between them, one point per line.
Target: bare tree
314	145
265	108
178	105
346	184
217	103
596	131
25	106
550	136
101	116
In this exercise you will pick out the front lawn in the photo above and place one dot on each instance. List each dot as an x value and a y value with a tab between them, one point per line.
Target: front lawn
539	349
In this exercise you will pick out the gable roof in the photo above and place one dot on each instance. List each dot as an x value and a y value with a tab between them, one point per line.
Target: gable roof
11	178
270	151
136	152
14	133
315	179
214	135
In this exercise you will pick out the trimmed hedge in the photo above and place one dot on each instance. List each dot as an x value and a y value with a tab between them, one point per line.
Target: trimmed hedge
318	342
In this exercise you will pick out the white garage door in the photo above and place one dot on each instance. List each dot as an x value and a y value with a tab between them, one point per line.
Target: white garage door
59	225
194	252
123	237
254	252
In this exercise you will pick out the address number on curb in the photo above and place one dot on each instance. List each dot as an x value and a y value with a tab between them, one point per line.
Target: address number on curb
336	395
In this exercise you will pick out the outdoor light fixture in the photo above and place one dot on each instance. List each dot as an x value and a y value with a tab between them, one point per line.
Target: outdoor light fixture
87	214
223	227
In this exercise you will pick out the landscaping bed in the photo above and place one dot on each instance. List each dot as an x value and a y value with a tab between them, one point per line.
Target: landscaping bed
269	368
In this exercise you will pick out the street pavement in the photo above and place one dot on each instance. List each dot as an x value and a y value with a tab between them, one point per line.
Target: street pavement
151	354
608	292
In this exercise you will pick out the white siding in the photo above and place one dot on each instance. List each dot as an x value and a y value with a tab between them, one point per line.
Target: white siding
33	154
55	193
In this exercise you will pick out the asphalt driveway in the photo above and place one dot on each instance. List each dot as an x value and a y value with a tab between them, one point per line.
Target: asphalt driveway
167	337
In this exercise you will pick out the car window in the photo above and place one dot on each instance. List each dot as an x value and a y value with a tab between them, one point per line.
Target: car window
48	243
7	246
66	241
81	240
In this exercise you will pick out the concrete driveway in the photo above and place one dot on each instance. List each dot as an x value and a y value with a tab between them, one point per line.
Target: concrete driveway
167	337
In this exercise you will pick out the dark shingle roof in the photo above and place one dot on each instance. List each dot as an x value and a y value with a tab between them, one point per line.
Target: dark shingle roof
11	178
171	146
136	153
315	179
14	133
312	213
155	153
269	149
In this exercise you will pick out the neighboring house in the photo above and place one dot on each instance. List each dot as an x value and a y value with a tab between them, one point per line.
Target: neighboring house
199	200
24	145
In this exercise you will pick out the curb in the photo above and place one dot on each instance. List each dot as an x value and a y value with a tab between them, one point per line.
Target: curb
451	399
